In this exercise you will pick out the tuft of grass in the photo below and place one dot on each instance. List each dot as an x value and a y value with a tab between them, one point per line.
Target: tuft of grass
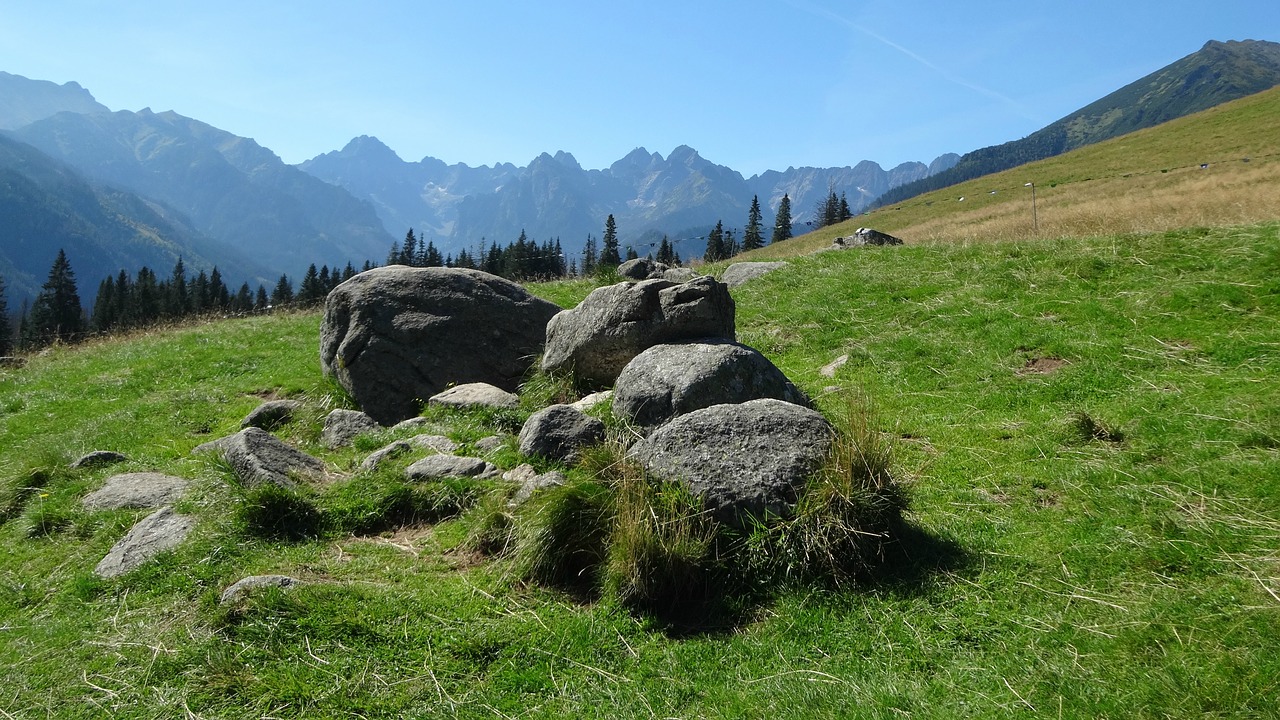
275	512
564	534
662	551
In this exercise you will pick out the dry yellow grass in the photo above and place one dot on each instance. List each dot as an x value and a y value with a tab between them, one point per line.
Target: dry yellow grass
1148	181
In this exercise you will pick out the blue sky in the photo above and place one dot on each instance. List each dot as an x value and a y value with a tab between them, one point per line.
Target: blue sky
752	84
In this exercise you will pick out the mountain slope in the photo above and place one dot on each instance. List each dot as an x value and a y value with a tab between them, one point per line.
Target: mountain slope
46	205
1216	73
230	187
24	101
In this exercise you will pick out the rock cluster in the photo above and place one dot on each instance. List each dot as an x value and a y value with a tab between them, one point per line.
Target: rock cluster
714	414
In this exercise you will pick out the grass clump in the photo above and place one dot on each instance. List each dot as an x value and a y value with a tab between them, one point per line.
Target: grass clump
564	532
276	512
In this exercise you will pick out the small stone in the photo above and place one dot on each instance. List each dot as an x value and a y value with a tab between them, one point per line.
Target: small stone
476	394
244	586
271	415
439	443
341	427
829	370
489	444
559	433
739	273
98	458
592	400
394	450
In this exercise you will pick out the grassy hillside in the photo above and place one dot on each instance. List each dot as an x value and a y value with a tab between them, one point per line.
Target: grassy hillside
1147	181
1089	430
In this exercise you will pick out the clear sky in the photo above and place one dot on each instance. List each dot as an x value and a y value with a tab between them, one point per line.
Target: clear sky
752	84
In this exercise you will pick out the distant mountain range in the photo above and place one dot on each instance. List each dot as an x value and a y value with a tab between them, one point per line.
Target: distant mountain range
119	190
680	195
1218	72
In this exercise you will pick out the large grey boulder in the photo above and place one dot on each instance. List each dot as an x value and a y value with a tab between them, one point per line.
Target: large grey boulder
342	427
136	490
739	273
469	395
751	458
670	380
162	530
259	457
395	336
560	432
613	324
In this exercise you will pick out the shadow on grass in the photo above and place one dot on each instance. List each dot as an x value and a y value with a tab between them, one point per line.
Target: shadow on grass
911	563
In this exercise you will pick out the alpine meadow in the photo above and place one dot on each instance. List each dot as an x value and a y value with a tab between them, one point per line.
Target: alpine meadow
1059	455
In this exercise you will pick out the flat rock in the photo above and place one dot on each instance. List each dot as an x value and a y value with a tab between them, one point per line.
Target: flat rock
342	427
388	452
160	531
863	237
679	275
746	459
271	414
98	458
592	400
739	273
489	444
244	586
438	443
476	395
136	490
258	457
829	370
434	467
642	269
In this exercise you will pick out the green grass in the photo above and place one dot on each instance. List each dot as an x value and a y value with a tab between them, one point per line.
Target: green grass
1098	541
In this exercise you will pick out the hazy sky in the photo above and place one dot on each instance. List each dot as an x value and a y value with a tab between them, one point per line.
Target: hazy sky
752	84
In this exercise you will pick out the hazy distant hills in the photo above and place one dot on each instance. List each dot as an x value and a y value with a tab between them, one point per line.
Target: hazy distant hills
46	205
1218	72
554	196
230	188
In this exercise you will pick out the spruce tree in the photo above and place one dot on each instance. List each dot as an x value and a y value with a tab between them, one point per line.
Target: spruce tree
146	298
609	257
715	244
845	212
752	237
56	313
260	300
283	292
782	222
177	301
590	260
666	254
6	327
243	300
310	291
104	317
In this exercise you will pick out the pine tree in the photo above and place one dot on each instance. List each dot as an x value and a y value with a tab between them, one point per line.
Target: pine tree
283	292
56	313
731	246
393	257
782	222
146	298
310	291
715	244
409	254
609	257
219	294
260	300
845	212
6	326
200	296
665	253
752	237
177	301
243	300
104	317
590	260
631	253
